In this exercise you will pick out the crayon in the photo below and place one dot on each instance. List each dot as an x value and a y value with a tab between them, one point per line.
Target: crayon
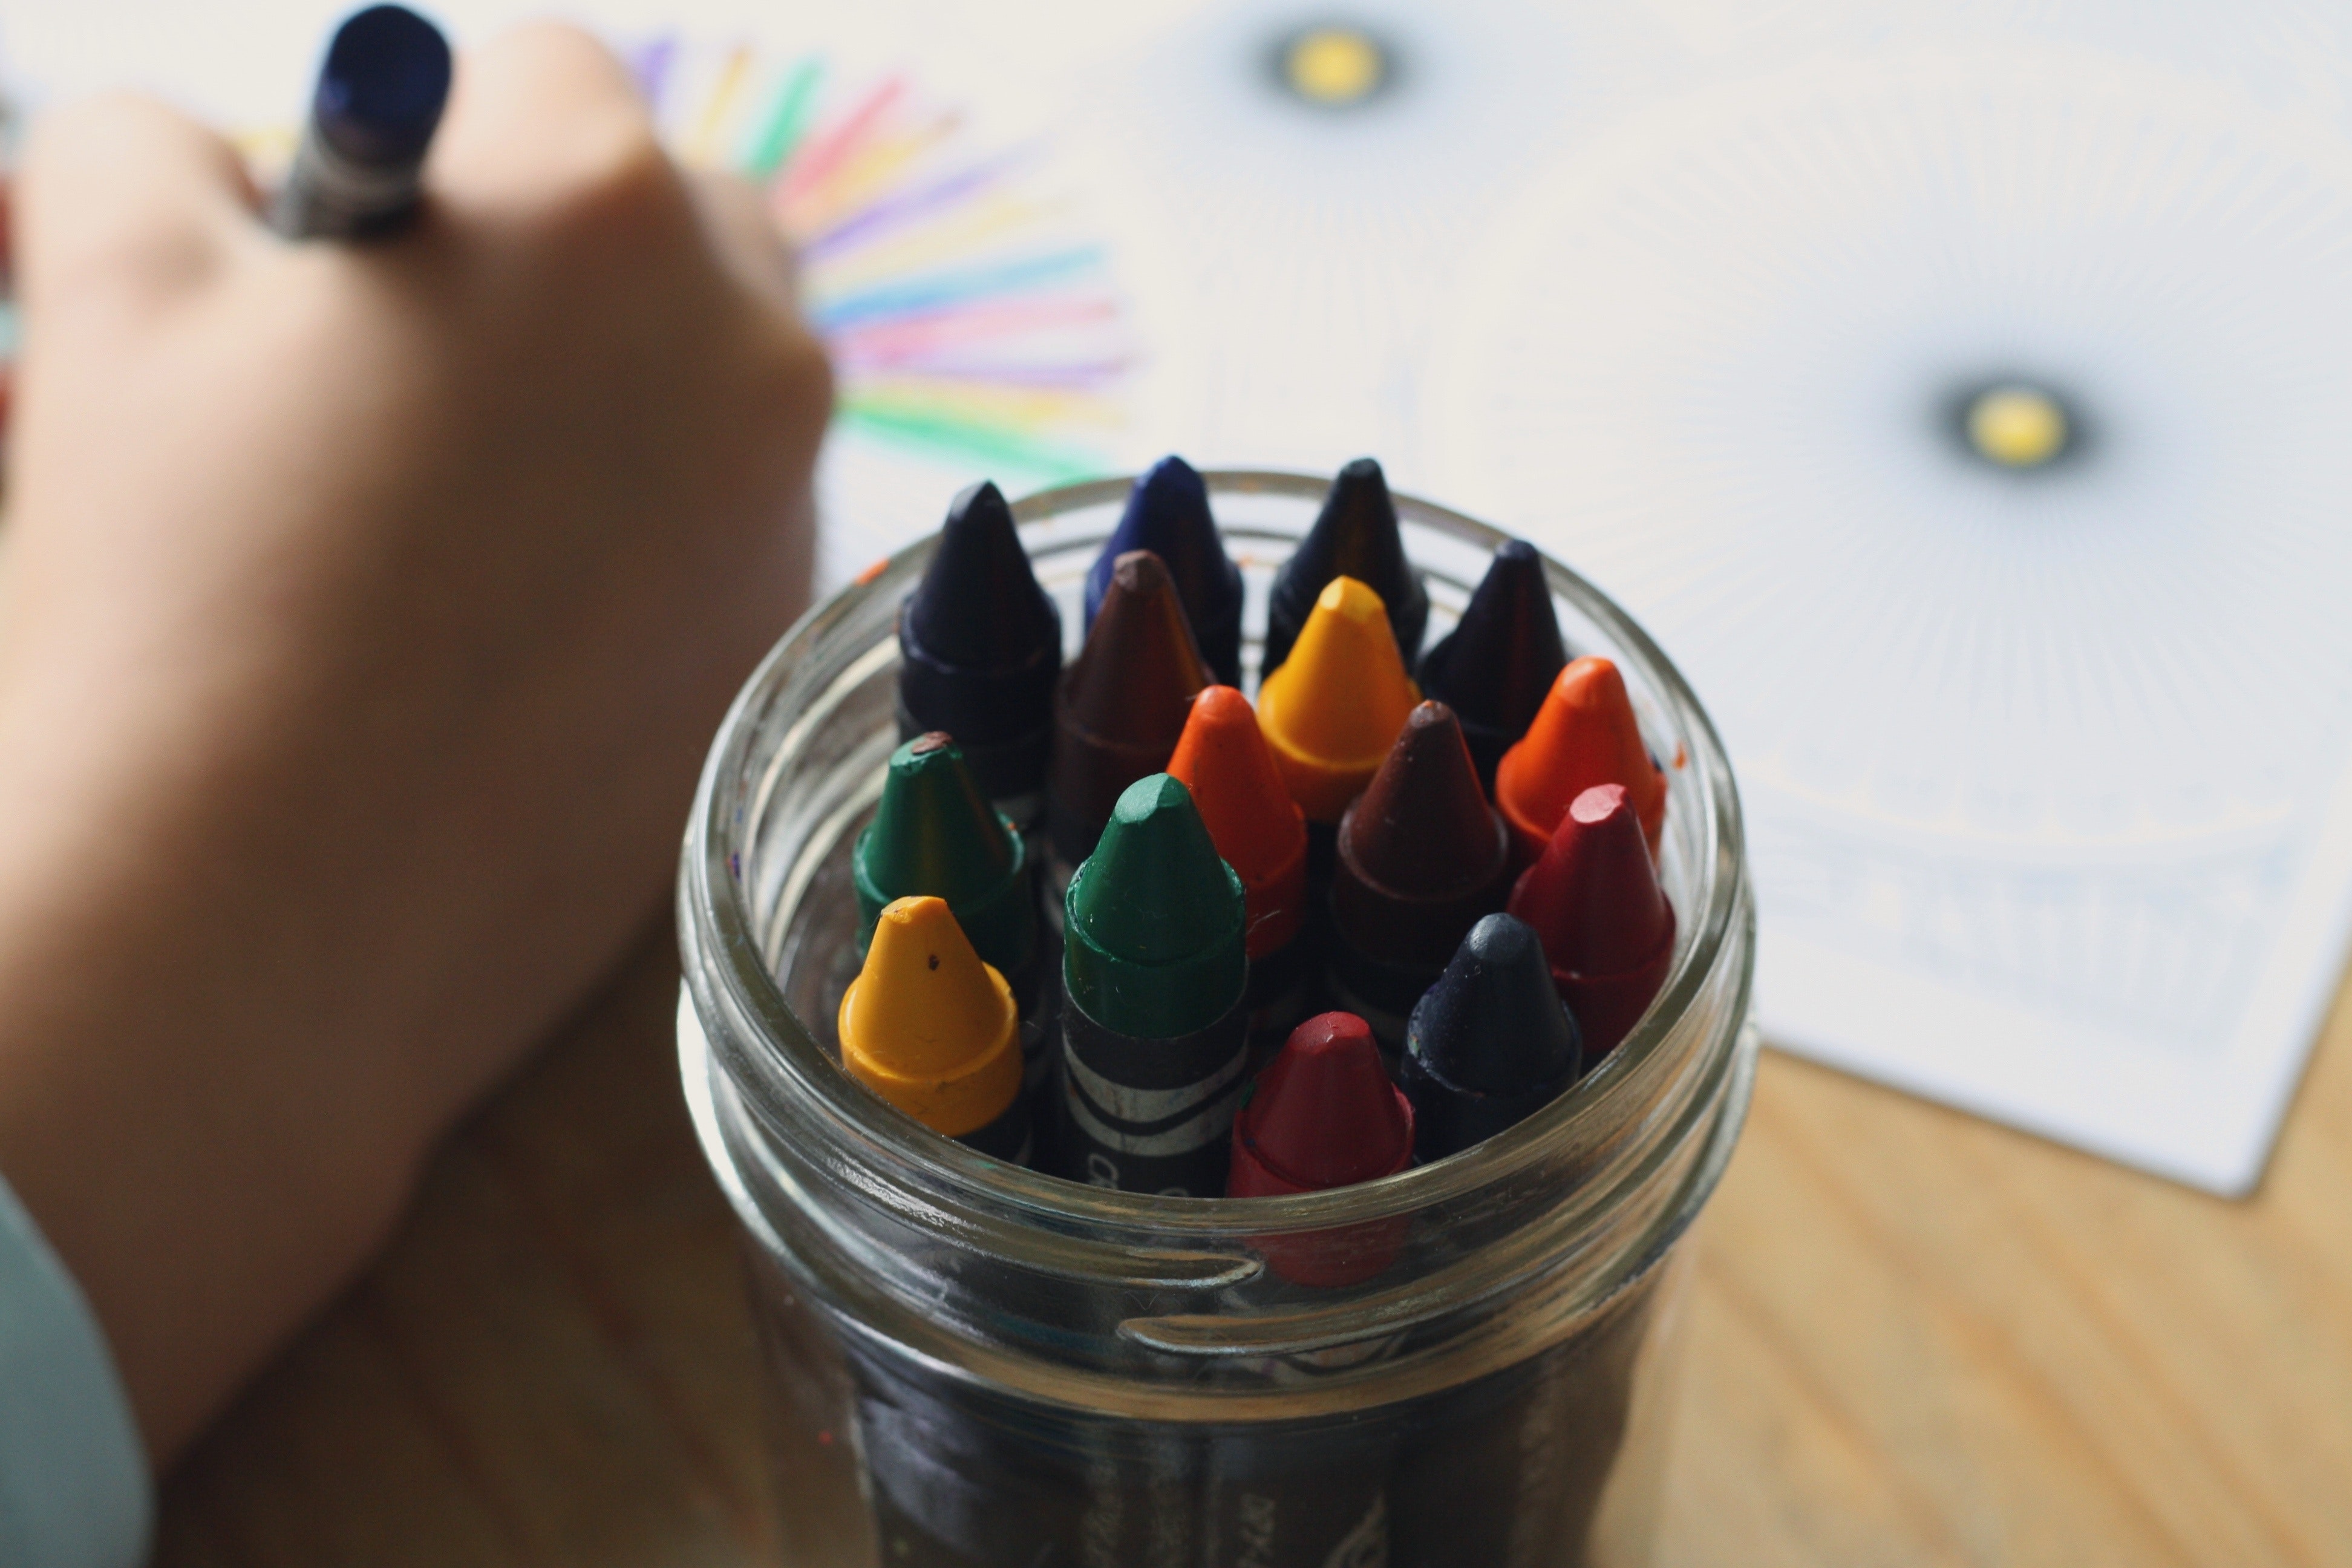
1354	535
1122	704
1322	1115
1495	667
1256	827
379	100
1154	1017
1490	1045
980	648
1607	930
1584	734
1167	514
1421	856
1333	710
931	1029
933	833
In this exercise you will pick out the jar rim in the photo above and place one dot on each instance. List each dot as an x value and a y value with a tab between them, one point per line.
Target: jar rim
787	1077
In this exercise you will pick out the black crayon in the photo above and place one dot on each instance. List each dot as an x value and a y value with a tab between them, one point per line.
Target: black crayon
980	648
1497	664
1354	535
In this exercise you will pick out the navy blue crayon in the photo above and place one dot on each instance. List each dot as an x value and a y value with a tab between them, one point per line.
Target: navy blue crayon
1167	514
378	101
1490	1044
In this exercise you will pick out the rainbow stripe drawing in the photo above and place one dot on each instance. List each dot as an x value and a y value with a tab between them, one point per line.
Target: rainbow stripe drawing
973	322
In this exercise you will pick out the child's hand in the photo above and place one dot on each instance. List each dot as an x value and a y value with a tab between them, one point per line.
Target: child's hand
364	612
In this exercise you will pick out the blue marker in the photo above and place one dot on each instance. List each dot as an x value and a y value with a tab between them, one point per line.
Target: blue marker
380	95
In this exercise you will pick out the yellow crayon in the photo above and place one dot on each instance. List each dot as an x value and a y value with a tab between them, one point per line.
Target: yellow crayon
933	1030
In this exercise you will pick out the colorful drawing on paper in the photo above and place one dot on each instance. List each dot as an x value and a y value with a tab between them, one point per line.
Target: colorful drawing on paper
974	323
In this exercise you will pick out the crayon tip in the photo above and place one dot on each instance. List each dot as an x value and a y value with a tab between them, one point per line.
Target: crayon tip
1584	734
978	607
1167	514
1491	1043
1256	827
1155	920
1607	929
930	1027
1496	665
1123	702
1354	535
934	833
1422	855
1333	710
383	87
1322	1114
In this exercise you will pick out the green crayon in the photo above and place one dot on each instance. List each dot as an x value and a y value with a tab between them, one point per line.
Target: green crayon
1154	1022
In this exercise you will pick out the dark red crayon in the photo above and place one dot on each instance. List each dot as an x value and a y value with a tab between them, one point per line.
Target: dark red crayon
1122	703
1421	856
979	646
1322	1115
1490	1045
1495	667
1607	929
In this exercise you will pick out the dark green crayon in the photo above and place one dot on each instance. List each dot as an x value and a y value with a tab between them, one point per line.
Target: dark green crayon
1154	1023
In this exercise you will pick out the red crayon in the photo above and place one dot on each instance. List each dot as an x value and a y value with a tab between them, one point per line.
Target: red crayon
1584	734
1594	900
1323	1114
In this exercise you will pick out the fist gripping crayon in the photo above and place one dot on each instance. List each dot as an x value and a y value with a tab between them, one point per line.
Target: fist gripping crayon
1490	1045
1167	514
1354	535
933	834
1607	929
930	1028
1154	1021
1585	734
979	646
1258	831
1495	667
1421	856
1123	702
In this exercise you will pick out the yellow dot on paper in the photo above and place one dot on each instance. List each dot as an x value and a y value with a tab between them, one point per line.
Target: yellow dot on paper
2017	426
1335	66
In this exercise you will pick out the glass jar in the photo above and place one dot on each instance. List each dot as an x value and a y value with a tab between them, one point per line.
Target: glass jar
979	1366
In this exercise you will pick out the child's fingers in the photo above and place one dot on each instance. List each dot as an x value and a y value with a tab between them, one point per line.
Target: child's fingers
542	118
746	237
122	192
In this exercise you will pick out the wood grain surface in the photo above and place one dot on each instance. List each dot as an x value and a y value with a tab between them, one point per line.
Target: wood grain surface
1916	1339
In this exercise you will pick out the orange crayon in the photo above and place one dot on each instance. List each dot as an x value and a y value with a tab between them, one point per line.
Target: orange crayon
1585	734
1255	825
933	1030
1333	710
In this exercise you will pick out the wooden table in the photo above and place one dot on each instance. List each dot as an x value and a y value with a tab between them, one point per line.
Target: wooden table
1916	1339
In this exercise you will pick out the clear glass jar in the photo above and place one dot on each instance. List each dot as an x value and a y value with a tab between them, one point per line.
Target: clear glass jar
984	1367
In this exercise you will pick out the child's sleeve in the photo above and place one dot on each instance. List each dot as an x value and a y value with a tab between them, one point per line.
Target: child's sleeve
74	1490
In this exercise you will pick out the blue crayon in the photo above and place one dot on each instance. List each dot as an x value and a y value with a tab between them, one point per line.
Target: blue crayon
379	98
1167	514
